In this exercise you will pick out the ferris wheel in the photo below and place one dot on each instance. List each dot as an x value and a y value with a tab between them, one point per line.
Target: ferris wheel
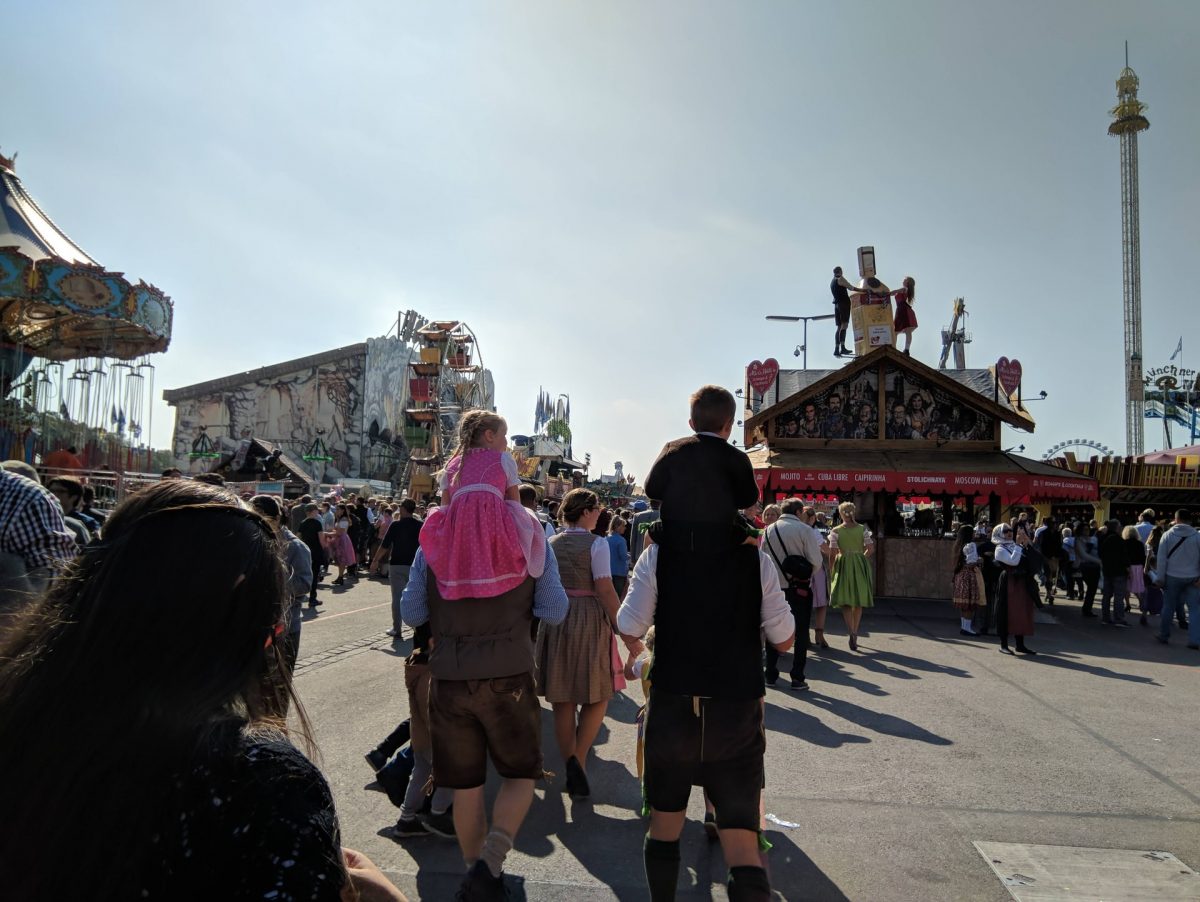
1057	450
446	378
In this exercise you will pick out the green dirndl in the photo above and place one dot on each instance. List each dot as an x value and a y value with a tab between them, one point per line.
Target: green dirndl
853	581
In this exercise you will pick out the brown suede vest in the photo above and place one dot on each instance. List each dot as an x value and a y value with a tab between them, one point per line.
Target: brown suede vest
481	638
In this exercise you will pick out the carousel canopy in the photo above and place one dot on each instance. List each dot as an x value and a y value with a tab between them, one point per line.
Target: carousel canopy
58	303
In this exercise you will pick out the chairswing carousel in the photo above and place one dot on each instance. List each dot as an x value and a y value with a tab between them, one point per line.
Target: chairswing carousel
75	341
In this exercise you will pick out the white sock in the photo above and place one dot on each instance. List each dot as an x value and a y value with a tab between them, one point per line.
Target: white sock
966	624
496	847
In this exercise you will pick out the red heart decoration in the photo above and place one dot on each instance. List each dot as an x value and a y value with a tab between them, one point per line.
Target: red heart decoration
762	374
1009	374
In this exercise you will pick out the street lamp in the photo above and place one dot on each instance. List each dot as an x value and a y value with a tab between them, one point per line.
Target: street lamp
801	348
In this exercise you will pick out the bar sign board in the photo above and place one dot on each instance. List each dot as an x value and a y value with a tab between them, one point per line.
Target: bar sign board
866	262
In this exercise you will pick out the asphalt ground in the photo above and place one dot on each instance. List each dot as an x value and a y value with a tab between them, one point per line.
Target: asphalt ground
879	779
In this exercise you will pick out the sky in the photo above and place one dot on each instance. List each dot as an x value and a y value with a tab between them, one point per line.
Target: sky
614	195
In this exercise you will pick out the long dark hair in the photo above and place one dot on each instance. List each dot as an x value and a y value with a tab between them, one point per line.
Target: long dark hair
143	658
966	535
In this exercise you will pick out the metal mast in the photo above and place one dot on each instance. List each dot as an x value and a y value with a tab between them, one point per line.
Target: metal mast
1128	120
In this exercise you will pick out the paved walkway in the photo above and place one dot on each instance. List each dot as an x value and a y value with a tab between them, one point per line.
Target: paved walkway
880	779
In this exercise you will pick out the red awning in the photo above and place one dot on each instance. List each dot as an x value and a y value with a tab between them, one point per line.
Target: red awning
974	474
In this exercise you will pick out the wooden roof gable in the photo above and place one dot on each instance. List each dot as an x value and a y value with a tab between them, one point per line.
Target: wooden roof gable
1013	416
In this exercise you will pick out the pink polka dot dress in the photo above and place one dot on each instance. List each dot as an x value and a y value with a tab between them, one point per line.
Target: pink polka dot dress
477	544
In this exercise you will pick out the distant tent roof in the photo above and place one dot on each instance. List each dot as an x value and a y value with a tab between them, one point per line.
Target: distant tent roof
24	226
1172	454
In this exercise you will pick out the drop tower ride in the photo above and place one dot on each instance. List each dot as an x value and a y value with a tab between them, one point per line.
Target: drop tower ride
1128	120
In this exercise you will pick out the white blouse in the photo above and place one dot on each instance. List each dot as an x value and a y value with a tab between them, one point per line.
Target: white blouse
1009	554
970	553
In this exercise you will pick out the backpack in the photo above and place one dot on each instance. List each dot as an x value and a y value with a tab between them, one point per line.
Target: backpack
797	569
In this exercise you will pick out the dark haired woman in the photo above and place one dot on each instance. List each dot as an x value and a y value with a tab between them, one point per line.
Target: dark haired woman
906	318
173	754
575	658
343	544
969	595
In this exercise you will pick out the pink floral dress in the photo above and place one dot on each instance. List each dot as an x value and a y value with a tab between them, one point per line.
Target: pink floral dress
477	544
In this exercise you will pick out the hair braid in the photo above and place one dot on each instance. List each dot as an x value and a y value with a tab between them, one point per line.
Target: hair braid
470	425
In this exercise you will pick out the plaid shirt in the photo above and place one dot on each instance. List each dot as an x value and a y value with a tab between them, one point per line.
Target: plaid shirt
31	524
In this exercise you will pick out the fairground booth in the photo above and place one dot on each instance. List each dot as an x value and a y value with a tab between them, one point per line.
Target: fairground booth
915	448
1162	481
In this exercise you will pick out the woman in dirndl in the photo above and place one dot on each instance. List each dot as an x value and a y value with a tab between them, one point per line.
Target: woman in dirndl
905	322
343	545
969	594
853	586
1016	589
579	667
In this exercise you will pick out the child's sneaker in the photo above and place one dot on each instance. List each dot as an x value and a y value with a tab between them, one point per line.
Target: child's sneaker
409	826
442	824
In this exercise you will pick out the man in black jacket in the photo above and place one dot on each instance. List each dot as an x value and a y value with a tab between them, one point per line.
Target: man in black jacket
1114	564
1048	540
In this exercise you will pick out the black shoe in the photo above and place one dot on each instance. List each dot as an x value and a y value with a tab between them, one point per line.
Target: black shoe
1022	650
480	886
340	581
1086	614
376	759
963	632
441	824
394	787
1124	624
799	685
772	678
409	826
1106	621
710	826
577	782
1162	639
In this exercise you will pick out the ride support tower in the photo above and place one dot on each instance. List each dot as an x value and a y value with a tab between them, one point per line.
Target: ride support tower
1129	119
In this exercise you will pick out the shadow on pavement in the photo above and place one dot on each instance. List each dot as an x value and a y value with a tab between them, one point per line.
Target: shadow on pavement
1068	662
830	670
794	876
916	663
806	727
887	724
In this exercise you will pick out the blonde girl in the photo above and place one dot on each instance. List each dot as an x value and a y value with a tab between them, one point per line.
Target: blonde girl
479	542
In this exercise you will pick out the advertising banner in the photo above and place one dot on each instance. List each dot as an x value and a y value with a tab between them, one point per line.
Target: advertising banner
1006	485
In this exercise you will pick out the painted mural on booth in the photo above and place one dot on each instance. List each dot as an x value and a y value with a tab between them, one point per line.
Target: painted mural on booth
914	409
917	410
845	411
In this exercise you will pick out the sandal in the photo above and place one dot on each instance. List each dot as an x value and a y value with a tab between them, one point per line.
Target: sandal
821	643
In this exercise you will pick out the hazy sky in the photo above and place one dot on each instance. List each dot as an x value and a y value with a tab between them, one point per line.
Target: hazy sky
614	194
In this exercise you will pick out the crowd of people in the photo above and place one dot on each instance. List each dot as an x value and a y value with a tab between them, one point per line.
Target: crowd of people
1000	574
198	774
